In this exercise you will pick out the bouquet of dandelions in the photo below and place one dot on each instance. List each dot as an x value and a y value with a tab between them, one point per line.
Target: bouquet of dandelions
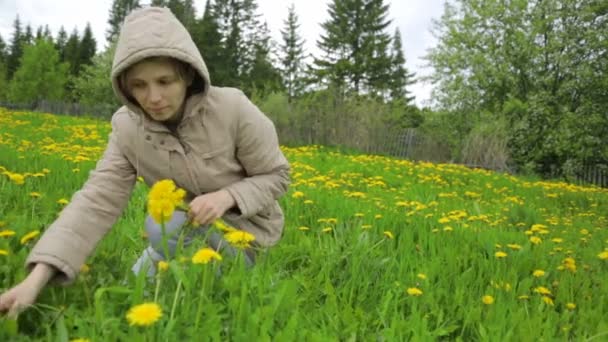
165	197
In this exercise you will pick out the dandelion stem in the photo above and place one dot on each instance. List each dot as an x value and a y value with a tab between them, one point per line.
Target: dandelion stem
199	310
179	286
158	281
164	241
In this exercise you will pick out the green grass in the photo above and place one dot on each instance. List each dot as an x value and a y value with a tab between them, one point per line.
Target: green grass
360	231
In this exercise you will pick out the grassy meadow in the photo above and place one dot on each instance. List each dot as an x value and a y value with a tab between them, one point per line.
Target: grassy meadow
374	249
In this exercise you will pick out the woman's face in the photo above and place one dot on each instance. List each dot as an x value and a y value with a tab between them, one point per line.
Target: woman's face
158	89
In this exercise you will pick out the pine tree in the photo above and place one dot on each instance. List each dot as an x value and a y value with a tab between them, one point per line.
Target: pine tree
354	47
263	78
118	12
15	50
28	35
292	60
3	52
87	47
40	75
72	53
238	25
3	57
184	11
400	78
208	40
376	43
60	42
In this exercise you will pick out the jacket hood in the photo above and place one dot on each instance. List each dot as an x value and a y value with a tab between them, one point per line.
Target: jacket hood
155	32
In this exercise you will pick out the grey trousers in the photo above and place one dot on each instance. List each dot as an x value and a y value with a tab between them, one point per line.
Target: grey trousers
173	227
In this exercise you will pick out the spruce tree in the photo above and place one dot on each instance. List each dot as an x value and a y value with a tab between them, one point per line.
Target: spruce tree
208	40
262	78
354	46
399	78
3	57
184	11
159	3
238	25
2	50
72	53
87	47
118	12
15	50
292	59
28	35
60	42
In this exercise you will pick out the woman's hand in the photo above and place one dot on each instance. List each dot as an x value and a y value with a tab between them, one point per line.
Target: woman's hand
24	294
205	209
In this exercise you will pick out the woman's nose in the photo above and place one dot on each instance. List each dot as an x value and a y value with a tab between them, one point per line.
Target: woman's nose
154	94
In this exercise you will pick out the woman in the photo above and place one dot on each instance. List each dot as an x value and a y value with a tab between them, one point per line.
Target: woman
213	142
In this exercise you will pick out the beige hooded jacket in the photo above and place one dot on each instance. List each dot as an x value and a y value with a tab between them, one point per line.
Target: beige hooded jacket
222	142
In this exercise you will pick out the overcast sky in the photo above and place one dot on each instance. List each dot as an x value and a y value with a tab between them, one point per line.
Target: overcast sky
413	17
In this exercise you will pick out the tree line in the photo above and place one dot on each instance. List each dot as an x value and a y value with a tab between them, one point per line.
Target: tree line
517	83
236	45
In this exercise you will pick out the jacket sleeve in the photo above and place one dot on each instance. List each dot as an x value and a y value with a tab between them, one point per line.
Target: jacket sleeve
257	149
91	213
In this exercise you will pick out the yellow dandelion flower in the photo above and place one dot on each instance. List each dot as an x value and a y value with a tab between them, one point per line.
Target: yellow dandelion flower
239	238
62	201
29	236
542	290
16	178
500	254
378	216
570	306
414	291
523	297
514	246
388	234
223	226
45	170
359	214
80	340
3	252
297	194
366	226
35	194
536	240
538	273
303	228
205	255
7	233
85	268
144	314
163	198
308	202
443	220
421	276
327	229
603	255
487	300
163	266
548	300
140	179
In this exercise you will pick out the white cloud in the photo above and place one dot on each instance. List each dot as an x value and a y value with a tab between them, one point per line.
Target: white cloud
413	17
